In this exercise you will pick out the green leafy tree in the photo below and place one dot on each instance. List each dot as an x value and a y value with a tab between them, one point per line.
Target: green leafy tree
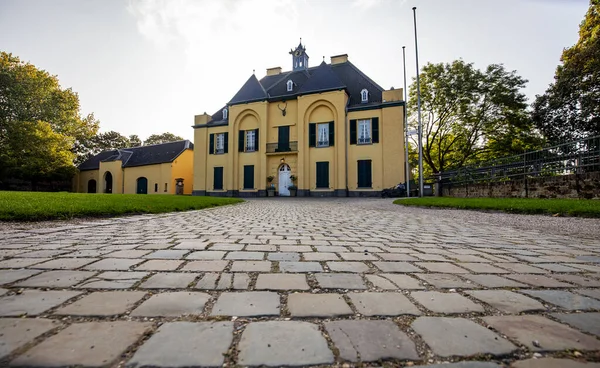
162	138
109	141
469	115
134	141
42	132
570	107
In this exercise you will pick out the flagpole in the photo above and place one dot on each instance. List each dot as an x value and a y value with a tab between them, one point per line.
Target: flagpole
406	127
419	109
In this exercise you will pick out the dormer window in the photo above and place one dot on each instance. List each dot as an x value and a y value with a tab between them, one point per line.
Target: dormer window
290	85
225	113
364	96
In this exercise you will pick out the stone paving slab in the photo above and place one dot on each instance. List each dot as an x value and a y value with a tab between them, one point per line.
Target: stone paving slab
277	343
10	276
169	281
541	334
565	299
587	322
340	281
507	301
459	336
33	302
368	341
317	305
113	280
349	262
184	344
92	344
383	304
17	332
56	279
247	304
103	303
273	281
553	363
447	303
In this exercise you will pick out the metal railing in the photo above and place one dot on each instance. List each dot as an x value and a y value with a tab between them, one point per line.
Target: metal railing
574	157
276	147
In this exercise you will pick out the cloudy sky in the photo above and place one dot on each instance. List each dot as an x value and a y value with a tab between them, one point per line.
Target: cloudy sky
148	66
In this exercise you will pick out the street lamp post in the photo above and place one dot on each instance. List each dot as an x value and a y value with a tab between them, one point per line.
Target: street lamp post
420	129
406	127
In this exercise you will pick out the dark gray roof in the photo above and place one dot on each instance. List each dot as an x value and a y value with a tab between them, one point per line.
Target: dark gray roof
349	77
322	79
139	156
325	77
252	90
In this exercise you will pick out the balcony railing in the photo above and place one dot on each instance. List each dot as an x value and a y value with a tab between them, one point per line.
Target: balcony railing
276	147
323	144
364	140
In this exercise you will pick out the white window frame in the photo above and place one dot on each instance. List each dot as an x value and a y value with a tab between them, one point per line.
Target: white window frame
364	132
290	85
225	113
250	141
323	135
219	143
364	95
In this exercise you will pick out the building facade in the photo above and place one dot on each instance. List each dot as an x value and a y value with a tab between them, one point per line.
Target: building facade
155	169
326	131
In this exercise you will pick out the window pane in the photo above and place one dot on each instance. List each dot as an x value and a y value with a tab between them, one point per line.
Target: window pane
364	131
323	137
220	142
250	140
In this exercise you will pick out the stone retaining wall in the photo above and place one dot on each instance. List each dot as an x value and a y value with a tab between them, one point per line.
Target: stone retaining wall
586	185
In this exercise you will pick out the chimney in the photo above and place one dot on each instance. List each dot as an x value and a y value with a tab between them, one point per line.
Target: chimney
274	71
338	59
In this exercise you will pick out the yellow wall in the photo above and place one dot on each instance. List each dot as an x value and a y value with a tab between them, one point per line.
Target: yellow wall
387	156
117	173
125	179
156	174
183	167
83	177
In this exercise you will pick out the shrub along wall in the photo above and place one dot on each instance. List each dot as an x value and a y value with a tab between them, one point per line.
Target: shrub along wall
585	185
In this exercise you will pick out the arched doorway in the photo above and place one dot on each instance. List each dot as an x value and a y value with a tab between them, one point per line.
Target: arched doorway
91	186
108	182
284	180
142	185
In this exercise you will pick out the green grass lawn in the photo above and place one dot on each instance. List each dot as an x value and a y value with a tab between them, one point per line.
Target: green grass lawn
560	207
37	206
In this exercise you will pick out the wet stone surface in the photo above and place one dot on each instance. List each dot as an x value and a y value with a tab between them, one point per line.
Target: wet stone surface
300	282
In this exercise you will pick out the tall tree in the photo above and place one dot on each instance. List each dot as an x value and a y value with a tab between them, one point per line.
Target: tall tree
469	114
36	110
134	141
162	138
570	107
109	141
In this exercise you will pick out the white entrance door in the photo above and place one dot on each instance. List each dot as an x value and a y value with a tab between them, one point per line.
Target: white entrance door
284	180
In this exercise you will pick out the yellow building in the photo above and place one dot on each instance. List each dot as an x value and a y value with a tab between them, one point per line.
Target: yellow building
155	169
330	127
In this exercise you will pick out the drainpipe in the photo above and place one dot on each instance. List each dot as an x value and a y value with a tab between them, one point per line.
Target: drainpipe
123	181
346	147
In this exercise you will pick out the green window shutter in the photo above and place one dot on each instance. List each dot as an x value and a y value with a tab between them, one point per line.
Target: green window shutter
218	178
226	142
375	129
322	174
364	174
312	135
352	131
256	146
248	176
211	145
331	133
241	142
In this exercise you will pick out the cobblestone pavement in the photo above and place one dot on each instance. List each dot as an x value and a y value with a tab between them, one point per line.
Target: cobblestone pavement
298	282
